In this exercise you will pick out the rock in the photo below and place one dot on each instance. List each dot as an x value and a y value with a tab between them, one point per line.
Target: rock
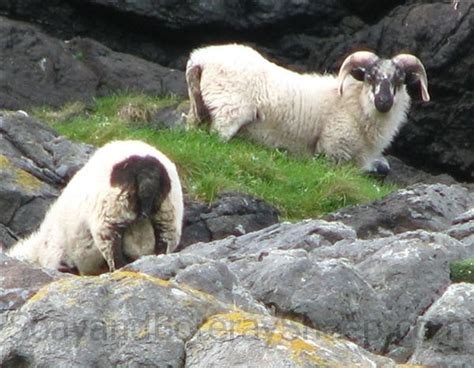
52	158
171	117
35	163
18	282
122	72
208	276
403	175
39	70
429	207
123	318
306	235
329	295
232	15
134	319
243	339
302	270
463	227
231	214
446	331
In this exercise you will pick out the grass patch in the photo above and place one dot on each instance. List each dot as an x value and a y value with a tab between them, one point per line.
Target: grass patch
300	187
462	271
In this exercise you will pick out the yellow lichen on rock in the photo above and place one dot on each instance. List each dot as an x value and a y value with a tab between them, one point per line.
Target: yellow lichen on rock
301	344
19	176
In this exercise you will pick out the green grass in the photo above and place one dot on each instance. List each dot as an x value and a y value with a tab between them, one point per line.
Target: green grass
462	271
299	187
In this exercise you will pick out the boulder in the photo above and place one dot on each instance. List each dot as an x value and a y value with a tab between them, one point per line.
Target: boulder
231	214
244	339
135	319
430	207
118	319
445	333
36	162
19	281
209	276
40	70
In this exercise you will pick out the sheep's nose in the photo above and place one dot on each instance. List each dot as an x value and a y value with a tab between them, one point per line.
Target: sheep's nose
383	99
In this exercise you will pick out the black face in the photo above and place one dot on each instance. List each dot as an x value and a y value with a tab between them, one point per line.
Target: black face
145	179
385	78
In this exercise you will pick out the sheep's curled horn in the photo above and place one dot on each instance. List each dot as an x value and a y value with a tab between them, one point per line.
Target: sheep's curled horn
362	60
411	64
358	60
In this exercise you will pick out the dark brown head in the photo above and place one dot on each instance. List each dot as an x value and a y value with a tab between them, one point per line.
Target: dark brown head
145	179
384	77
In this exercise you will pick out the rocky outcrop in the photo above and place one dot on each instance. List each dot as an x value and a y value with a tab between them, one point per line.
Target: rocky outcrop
416	207
39	70
231	214
35	162
445	333
291	293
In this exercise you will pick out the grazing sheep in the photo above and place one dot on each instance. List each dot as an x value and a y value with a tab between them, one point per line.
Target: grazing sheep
346	118
124	203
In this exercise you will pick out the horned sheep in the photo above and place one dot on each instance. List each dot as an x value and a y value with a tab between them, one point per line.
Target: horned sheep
124	203
352	116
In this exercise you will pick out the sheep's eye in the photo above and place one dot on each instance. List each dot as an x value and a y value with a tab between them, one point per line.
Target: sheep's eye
358	74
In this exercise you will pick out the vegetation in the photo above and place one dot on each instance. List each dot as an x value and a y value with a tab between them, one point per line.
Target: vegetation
300	187
462	271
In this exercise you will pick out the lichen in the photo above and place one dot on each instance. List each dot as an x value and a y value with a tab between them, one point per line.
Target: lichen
24	179
130	275
280	334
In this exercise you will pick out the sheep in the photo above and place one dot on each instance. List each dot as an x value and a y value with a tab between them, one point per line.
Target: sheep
352	116
124	203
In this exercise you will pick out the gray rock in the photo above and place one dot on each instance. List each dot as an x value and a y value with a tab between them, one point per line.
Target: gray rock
116	71
429	207
18	282
114	320
463	227
410	273
446	331
39	70
208	276
35	162
403	175
329	295
231	214
306	235
249	340
36	148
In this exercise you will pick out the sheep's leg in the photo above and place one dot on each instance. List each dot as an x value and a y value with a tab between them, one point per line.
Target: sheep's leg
108	239
164	227
198	112
227	122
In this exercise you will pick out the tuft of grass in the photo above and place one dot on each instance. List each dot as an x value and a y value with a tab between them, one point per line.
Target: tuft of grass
300	187
462	271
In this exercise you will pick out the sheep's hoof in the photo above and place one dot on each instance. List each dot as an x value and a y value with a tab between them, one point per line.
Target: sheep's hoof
379	167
